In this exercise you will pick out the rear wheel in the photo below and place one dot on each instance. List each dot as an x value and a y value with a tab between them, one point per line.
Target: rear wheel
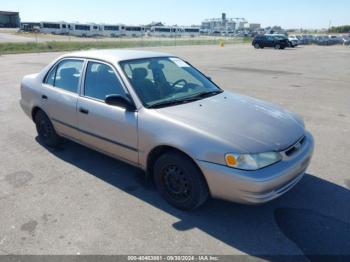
45	129
277	46
257	46
180	181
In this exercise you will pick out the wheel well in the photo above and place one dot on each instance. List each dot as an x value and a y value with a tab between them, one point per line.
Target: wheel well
35	110
160	150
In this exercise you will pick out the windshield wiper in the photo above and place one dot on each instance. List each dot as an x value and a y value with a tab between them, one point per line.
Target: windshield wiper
195	97
167	103
206	94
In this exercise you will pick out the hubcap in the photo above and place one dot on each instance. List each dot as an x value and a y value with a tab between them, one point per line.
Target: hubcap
176	183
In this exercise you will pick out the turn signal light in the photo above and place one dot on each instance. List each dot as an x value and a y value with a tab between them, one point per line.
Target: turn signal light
230	160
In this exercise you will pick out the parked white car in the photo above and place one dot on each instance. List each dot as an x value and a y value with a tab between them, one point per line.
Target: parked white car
294	41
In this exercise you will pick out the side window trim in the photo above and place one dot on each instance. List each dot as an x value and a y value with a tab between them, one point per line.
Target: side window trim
54	67
54	76
82	91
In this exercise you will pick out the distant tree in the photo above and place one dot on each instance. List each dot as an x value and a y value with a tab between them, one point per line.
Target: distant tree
277	28
340	29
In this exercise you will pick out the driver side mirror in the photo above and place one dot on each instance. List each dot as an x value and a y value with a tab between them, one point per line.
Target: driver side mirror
209	78
120	101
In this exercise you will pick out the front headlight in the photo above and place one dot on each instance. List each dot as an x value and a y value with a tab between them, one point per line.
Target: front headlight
252	161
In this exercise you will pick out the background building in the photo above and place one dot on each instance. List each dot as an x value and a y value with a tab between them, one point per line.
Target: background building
254	27
223	24
219	25
9	19
226	25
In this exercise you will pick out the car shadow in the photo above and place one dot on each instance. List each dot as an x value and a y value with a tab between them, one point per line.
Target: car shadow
310	220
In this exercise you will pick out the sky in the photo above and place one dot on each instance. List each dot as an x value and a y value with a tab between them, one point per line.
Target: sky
311	14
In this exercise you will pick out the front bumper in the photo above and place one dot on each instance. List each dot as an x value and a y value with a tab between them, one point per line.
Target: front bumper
260	186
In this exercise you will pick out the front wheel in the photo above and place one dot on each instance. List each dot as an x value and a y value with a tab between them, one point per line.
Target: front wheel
180	181
257	46
45	129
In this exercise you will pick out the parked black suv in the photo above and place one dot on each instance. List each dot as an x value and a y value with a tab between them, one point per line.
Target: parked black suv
276	41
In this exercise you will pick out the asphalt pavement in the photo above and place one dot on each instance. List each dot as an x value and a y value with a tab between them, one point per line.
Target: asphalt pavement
73	200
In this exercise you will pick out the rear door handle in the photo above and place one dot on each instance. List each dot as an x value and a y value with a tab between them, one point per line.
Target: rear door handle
83	111
44	97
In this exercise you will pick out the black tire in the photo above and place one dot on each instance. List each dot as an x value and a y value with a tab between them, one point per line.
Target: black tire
46	131
277	46
180	181
257	46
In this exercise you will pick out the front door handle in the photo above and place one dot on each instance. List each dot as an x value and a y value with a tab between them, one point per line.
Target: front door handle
83	111
44	97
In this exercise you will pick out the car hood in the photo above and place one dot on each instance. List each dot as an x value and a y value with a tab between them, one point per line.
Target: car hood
249	125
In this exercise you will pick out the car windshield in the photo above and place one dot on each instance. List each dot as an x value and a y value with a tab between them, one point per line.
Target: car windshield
166	81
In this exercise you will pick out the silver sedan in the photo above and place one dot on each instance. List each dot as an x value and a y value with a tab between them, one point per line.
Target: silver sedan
159	113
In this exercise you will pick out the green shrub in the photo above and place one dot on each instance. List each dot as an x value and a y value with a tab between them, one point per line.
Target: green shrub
53	46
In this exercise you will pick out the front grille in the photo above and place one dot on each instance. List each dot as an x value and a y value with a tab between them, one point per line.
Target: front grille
295	148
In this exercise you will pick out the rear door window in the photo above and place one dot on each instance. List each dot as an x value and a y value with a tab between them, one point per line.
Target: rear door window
66	75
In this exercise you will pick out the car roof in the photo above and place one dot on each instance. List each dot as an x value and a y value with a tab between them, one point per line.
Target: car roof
275	34
116	55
